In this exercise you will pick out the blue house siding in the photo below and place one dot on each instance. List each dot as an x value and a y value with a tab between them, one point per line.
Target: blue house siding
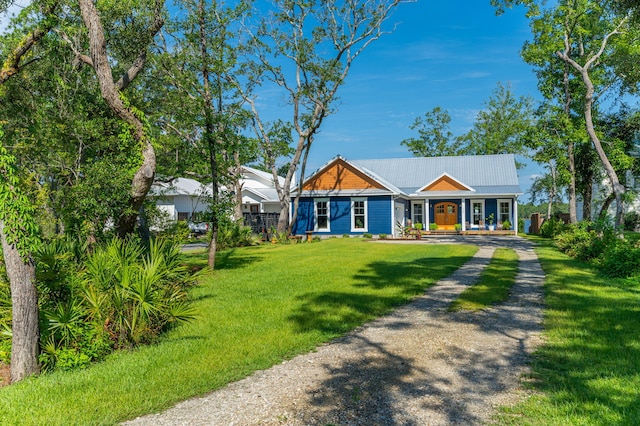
378	216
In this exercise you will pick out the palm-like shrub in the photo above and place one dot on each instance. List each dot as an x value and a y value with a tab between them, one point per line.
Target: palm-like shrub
137	294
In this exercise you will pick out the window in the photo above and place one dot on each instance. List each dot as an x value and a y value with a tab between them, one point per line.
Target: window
440	209
359	215
322	214
504	210
477	212
418	215
183	216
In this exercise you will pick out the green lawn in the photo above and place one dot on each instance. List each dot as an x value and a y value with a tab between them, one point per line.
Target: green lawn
494	285
588	372
262	305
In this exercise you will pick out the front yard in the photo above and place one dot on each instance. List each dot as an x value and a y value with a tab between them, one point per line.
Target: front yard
263	305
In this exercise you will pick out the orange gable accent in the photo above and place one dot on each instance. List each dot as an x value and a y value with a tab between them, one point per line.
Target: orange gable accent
445	183
339	176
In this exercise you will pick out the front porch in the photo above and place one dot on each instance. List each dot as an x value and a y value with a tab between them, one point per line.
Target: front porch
415	234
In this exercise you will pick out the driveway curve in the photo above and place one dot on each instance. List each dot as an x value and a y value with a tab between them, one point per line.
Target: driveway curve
420	365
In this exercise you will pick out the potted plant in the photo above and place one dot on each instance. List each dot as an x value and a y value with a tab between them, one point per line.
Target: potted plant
457	227
506	225
490	220
418	226
433	226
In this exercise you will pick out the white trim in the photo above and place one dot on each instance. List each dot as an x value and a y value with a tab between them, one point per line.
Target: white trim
515	214
482	212
315	214
366	214
413	212
445	174
463	214
427	219
509	203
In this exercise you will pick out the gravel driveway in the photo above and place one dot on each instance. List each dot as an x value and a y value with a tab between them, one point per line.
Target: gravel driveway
420	365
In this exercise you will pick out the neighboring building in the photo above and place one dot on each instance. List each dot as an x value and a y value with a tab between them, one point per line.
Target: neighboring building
260	200
383	196
181	199
185	199
259	194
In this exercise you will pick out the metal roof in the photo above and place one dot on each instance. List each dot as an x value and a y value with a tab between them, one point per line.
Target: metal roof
473	170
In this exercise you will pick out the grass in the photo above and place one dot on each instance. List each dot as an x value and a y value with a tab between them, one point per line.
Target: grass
588	370
263	305
494	285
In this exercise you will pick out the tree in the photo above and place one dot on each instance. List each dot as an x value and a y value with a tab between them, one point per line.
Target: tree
594	42
500	126
196	68
307	49
18	231
434	137
111	90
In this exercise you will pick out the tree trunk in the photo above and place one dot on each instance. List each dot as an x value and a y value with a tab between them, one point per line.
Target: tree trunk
587	197
24	305
605	206
143	178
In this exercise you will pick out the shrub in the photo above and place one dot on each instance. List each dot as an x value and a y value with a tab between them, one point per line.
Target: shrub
367	235
233	234
457	226
418	226
585	240
506	225
632	221
622	259
383	236
433	226
551	227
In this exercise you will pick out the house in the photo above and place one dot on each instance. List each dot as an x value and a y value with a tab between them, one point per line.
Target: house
385	195
181	198
187	199
259	194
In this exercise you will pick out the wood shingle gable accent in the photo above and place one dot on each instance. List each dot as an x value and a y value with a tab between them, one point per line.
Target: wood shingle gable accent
340	175
445	183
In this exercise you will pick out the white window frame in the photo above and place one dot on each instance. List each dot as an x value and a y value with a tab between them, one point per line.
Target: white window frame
413	215
482	212
315	214
499	219
353	214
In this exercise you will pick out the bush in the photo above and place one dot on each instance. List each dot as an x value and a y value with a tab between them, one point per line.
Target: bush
632	221
233	234
583	241
418	226
622	259
551	227
367	235
433	226
383	236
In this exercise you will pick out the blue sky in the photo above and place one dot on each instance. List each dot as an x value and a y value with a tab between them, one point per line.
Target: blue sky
446	53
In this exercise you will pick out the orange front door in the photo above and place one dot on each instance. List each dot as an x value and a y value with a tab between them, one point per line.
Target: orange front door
446	215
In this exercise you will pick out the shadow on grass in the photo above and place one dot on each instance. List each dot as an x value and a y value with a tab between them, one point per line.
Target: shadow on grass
589	368
236	259
378	288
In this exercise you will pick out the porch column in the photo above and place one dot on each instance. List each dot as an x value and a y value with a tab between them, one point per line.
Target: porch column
427	221
515	214
464	214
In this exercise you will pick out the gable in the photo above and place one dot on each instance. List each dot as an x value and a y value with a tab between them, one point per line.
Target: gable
340	176
445	183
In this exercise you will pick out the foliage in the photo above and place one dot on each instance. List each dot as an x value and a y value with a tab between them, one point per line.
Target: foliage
632	221
490	218
433	226
551	227
298	304
622	259
434	137
585	240
506	225
383	236
137	295
17	213
233	234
